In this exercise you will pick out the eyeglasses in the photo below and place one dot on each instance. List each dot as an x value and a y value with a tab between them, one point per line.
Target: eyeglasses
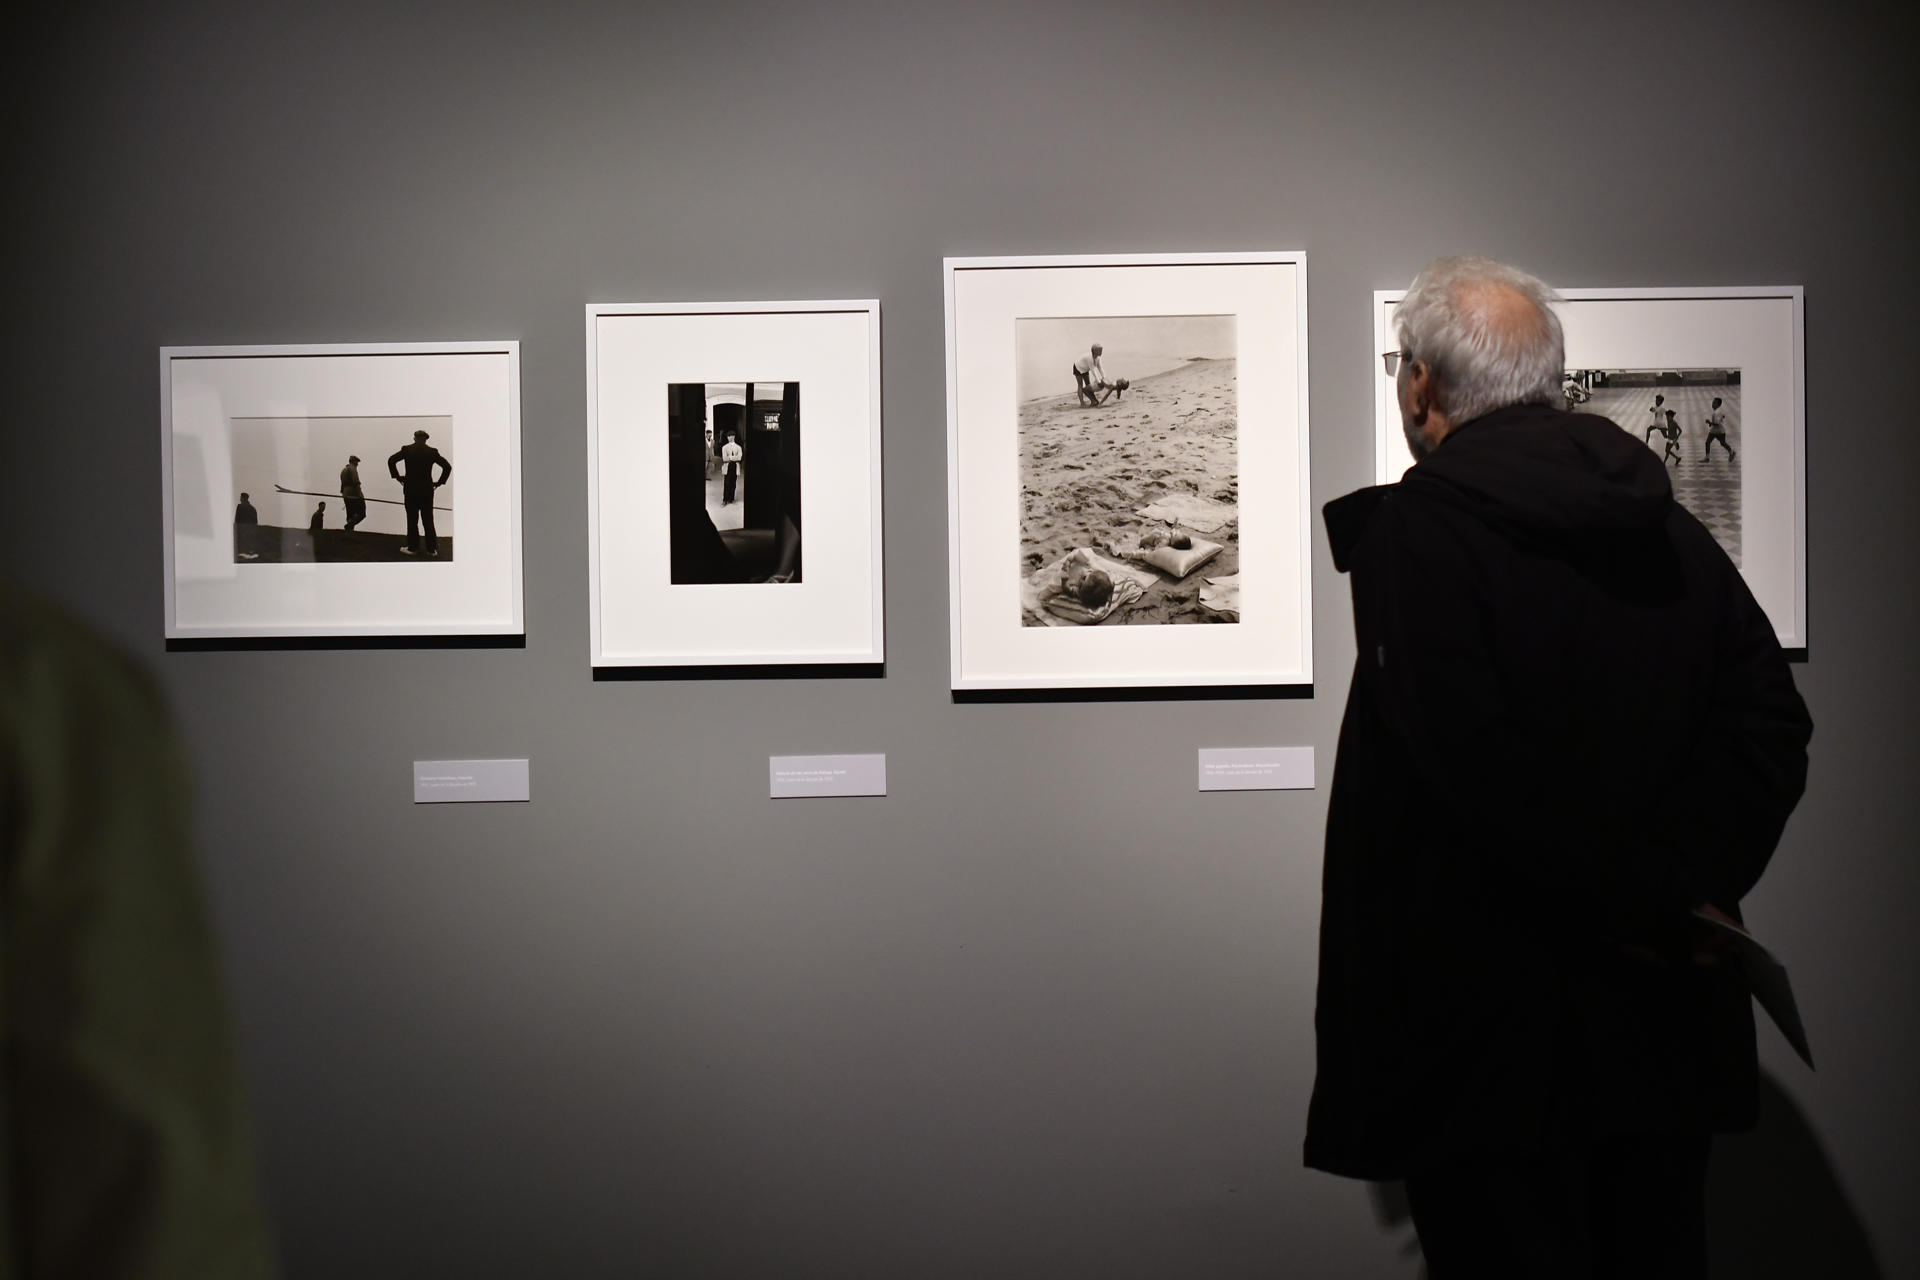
1393	359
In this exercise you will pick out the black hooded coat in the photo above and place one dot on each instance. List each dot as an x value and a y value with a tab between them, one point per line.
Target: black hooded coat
1569	724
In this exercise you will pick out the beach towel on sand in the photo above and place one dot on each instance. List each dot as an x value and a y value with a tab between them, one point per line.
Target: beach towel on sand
1040	592
1190	510
1222	596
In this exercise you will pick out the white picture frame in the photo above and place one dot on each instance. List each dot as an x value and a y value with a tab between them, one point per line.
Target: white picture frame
1756	331
997	398
645	610
277	422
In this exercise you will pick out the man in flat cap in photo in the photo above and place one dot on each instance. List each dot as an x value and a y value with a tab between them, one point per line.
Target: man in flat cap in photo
421	460
351	495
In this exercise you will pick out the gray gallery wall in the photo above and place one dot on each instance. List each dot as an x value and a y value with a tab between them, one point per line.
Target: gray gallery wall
1044	1010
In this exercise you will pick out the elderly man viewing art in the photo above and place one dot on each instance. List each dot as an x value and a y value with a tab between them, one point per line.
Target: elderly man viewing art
1519	1011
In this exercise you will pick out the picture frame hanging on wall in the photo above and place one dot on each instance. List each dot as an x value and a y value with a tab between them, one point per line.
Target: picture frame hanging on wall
341	490
1127	471
1713	382
733	503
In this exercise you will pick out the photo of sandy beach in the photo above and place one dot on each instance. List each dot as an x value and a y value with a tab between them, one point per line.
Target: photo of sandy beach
1129	470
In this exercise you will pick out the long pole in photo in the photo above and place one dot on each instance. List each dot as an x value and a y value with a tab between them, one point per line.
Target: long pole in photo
309	493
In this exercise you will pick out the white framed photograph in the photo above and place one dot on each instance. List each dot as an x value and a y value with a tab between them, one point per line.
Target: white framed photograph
341	490
1711	380
1127	498
733	499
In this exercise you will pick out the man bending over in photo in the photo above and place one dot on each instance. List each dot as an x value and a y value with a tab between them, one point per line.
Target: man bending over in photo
1089	377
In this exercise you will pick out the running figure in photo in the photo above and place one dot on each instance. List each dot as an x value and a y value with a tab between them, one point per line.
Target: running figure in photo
1659	423
1717	430
1672	432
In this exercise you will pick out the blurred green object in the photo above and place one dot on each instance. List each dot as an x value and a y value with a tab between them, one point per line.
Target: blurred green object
124	1147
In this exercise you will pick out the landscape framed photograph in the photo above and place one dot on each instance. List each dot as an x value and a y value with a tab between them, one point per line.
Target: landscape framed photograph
1127	497
341	490
1710	380
734	483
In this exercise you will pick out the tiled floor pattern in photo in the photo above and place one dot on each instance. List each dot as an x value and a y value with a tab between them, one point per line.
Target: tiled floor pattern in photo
1707	486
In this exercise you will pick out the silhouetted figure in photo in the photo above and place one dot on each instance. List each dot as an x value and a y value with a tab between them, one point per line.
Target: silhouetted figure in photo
1716	422
351	495
1659	423
319	520
730	456
422	460
1520	1012
246	530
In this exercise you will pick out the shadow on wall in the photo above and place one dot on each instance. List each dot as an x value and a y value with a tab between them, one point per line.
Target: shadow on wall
1775	1210
1774	1206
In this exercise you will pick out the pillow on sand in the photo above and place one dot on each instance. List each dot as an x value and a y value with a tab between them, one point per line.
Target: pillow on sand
1178	564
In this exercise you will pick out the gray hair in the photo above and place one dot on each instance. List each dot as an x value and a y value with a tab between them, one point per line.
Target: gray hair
1482	360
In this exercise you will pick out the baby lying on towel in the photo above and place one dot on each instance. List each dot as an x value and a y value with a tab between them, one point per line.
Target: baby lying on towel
1080	588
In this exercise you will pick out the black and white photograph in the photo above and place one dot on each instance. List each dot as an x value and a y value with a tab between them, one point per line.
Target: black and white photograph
306	490
1691	419
1128	504
1713	383
717	535
733	478
1128	448
353	490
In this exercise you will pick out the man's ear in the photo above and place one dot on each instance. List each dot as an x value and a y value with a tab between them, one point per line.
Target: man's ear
1419	390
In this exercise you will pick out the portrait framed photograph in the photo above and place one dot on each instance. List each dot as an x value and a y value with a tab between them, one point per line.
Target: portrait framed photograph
341	490
1713	382
1127	499
733	499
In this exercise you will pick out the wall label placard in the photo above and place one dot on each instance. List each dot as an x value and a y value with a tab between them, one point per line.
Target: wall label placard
1256	768
470	781
855	775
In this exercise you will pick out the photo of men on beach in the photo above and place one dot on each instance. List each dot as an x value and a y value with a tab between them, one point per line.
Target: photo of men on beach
733	482
342	490
1691	418
1129	470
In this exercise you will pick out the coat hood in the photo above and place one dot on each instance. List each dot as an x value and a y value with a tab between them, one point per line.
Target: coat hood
1538	473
